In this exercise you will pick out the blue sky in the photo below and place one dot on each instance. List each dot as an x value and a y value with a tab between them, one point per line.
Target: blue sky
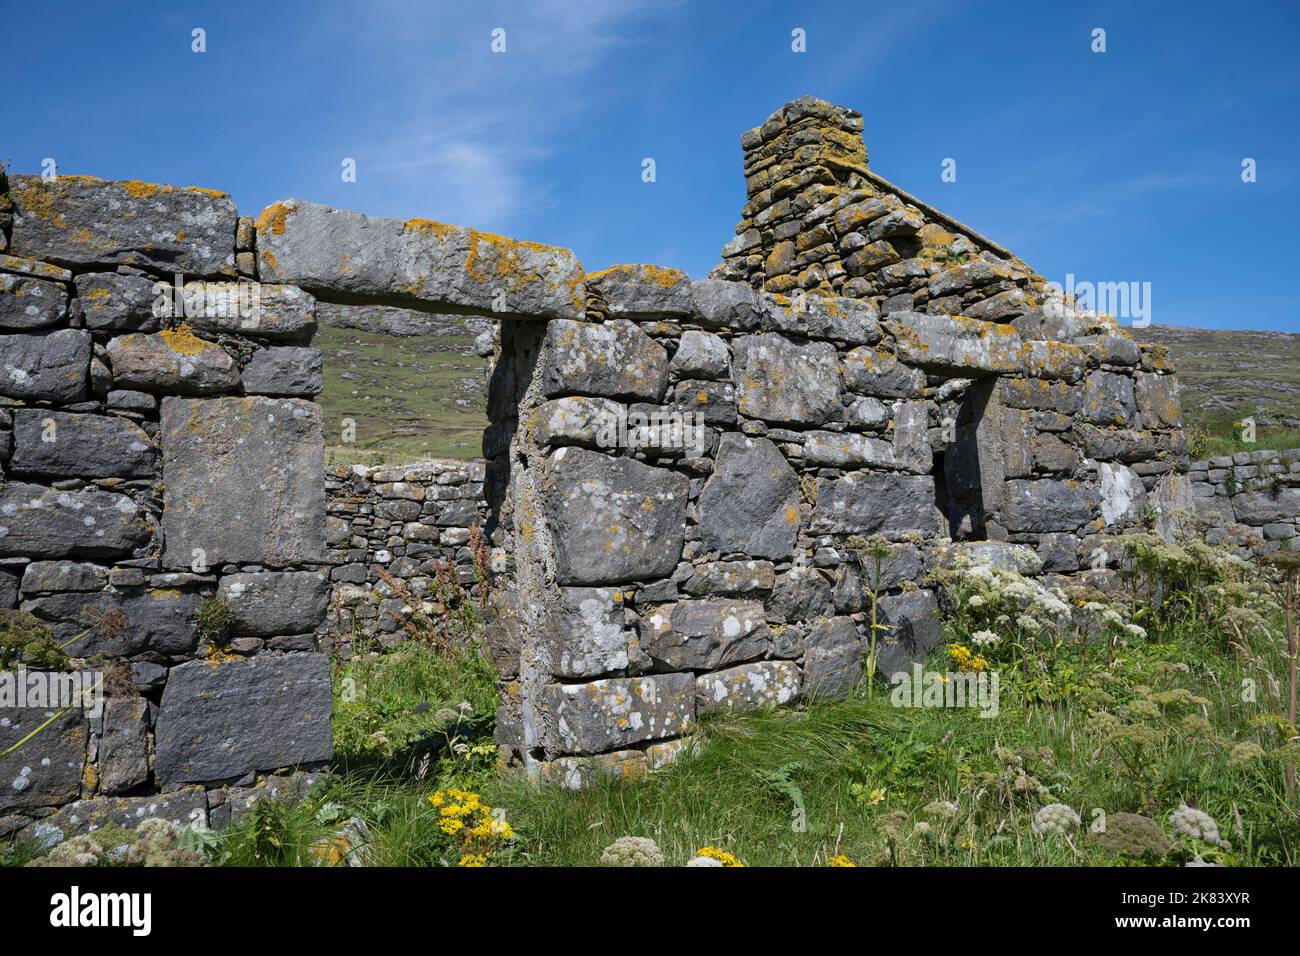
1115	166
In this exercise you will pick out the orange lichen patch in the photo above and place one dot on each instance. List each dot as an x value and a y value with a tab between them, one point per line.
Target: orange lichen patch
269	257
272	218
660	276
183	341
215	193
139	190
509	256
180	236
429	227
791	514
37	199
95	295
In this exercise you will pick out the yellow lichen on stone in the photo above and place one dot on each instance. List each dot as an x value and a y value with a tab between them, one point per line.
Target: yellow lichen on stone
140	190
271	219
429	227
183	341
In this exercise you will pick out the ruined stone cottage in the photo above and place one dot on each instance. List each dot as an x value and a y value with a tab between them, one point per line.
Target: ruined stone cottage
671	477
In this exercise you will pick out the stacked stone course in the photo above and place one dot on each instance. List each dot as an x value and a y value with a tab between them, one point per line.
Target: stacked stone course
150	459
1251	497
411	521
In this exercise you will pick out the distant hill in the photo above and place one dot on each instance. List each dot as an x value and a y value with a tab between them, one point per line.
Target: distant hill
411	381
1227	373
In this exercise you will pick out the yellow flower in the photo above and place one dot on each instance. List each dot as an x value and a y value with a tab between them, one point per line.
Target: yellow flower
473	859
722	856
840	860
877	796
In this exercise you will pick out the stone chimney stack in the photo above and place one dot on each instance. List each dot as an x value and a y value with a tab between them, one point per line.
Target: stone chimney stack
807	154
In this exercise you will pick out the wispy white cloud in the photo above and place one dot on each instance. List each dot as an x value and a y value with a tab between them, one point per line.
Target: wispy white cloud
462	133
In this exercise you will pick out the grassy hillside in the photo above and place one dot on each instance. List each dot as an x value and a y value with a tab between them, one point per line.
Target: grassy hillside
412	396
1227	375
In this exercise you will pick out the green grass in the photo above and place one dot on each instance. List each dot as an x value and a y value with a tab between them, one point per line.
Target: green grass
412	397
385	704
1221	435
794	787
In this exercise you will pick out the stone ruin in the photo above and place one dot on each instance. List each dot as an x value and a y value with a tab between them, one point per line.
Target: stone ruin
673	468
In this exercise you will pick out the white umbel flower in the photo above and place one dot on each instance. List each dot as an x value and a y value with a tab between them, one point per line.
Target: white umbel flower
1194	824
1055	818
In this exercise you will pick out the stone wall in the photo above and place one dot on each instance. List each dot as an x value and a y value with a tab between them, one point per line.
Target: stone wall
675	470
1251	497
157	448
416	522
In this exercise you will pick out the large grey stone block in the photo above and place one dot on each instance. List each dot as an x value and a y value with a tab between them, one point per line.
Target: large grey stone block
1048	504
177	362
283	370
244	481
959	345
269	603
218	722
610	359
748	687
878	373
750	503
704	634
27	303
46	770
588	637
64	445
157	621
833	655
53	367
323	249
123	303
863	503
642	291
609	714
87	221
39	522
782	382
613	519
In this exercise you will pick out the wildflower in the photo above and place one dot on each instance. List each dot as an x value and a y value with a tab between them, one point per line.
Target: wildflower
921	829
1136	630
984	639
877	796
1193	824
940	808
1055	818
976	601
714	853
632	851
704	861
1027	623
1131	834
840	860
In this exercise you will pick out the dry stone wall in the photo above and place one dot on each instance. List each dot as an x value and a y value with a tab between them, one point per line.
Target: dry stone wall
159	445
1252	498
417	523
674	470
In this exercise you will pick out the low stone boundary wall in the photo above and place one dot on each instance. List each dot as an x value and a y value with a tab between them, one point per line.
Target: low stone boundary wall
1251	492
415	522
